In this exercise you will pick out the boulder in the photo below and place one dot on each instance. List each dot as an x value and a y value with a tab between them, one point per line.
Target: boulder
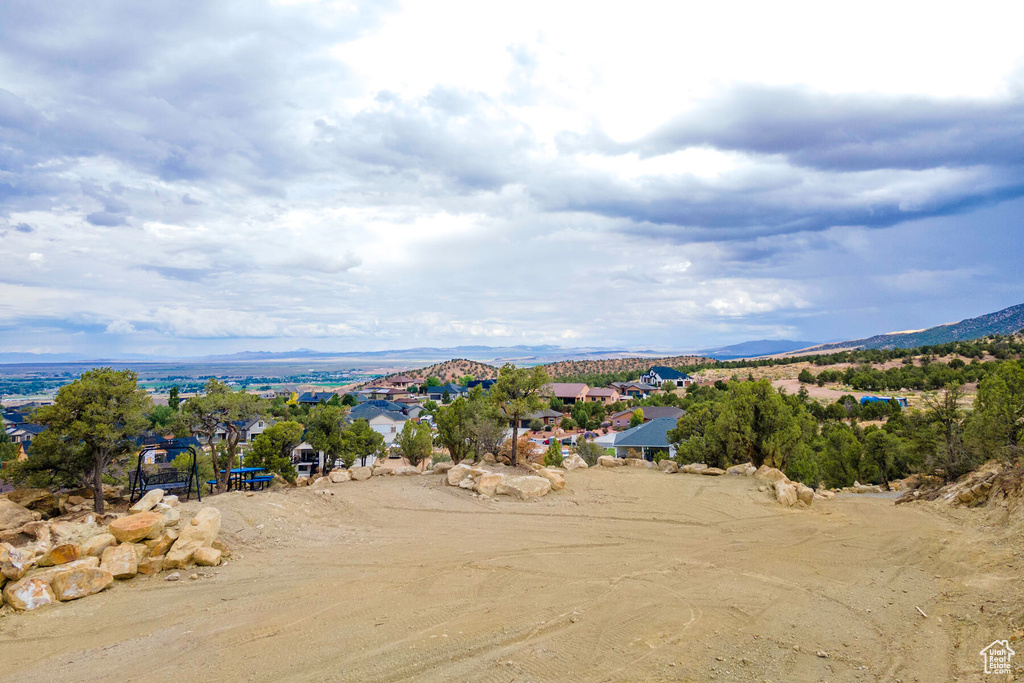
37	533
15	562
527	488
48	573
199	533
137	527
13	515
120	561
207	557
770	474
40	500
442	467
693	468
487	484
80	582
171	513
610	461
170	500
151	565
489	458
712	471
407	471
381	471
95	546
824	494
556	479
28	594
61	554
785	493
574	462
338	476
458	473
146	503
745	470
668	466
804	494
160	546
866	488
640	462
361	473
321	482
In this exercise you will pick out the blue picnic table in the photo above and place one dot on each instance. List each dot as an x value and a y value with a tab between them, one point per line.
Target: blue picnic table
241	477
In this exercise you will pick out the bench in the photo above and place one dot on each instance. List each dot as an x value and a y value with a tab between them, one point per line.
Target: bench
262	481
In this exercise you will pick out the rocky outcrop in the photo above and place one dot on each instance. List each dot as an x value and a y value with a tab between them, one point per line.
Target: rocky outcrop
138	527
13	515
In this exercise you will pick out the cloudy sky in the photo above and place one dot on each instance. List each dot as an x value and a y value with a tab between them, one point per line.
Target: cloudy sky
201	177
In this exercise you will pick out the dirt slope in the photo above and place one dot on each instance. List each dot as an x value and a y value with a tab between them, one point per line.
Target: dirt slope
626	576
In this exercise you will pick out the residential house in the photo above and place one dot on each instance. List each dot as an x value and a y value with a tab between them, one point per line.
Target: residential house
312	398
268	394
387	419
659	374
633	389
648	439
388	394
485	384
622	419
545	416
160	450
605	395
436	394
24	432
568	393
401	382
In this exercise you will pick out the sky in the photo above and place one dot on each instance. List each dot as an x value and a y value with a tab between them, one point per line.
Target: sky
208	177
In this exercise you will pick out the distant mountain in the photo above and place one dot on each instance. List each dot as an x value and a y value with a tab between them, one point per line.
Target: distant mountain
753	349
1007	321
494	354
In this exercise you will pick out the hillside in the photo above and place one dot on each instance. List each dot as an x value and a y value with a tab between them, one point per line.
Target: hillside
450	370
753	349
575	368
1005	322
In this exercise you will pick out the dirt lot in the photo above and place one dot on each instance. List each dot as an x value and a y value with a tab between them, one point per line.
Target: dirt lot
628	575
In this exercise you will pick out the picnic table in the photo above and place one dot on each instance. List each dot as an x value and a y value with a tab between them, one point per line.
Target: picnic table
240	478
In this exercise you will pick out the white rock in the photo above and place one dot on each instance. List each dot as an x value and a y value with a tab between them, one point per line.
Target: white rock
527	488
785	493
147	502
338	476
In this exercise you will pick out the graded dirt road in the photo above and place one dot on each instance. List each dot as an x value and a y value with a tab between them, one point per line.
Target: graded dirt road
628	575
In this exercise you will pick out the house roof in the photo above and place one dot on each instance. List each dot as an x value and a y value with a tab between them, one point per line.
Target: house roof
450	388
316	396
401	378
368	413
665	372
654	412
651	434
567	389
602	391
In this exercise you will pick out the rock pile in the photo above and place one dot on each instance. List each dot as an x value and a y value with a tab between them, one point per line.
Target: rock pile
68	560
489	483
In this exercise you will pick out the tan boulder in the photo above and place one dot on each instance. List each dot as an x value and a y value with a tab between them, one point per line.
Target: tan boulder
824	494
338	476
147	502
381	471
610	461
39	500
321	482
72	584
152	565
160	546
458	473
693	468
224	550
804	493
785	493
170	500
574	462
771	475
47	574
61	554
120	561
13	515
489	458
556	479
199	533
668	466
28	594
744	470
16	561
137	527
487	484
171	513
527	488
712	471
207	557
442	467
407	471
97	544
642	463
361	473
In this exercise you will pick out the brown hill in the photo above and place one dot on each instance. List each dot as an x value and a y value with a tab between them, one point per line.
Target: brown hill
449	370
575	368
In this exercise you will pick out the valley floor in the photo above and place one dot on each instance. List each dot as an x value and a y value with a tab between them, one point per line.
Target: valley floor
627	575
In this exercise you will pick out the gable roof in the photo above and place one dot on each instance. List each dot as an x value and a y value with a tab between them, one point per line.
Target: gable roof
452	389
566	389
603	391
317	396
665	372
651	434
401	378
